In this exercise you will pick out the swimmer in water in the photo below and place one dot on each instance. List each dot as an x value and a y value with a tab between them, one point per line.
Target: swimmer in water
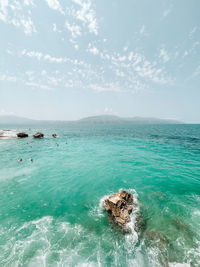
20	160
32	160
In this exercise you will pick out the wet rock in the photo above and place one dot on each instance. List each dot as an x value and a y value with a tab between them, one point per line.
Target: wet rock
120	207
140	223
185	230
54	135
22	135
38	135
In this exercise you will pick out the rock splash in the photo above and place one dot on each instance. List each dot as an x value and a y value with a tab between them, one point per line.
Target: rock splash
120	206
38	135
7	134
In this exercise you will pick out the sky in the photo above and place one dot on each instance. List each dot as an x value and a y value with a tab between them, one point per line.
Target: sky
68	59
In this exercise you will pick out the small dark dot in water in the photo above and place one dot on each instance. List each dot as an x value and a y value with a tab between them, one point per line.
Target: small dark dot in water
20	160
31	160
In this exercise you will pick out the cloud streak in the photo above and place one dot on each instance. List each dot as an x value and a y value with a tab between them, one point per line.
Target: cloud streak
55	5
14	13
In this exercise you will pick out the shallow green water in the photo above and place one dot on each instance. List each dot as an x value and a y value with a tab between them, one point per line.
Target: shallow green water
51	210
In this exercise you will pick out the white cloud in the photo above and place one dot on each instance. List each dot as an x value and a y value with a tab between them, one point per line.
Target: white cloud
55	5
12	12
164	55
93	50
142	30
28	25
119	73
125	48
74	29
43	72
3	112
108	110
192	49
196	72
107	87
28	2
46	57
192	32
8	78
3	10
130	57
166	13
38	85
55	28
87	15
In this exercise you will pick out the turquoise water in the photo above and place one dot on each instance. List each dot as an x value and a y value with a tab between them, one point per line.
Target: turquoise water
51	210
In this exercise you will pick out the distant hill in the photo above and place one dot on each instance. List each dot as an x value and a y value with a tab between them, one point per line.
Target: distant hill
136	120
9	119
101	118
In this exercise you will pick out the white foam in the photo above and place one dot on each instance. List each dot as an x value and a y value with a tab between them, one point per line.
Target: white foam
175	264
8	134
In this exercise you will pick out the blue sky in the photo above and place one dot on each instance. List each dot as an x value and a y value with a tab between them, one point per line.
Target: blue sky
67	59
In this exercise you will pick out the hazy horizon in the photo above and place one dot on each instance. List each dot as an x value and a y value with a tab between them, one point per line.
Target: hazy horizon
67	60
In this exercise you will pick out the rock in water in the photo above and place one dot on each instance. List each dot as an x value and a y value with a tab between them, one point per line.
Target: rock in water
22	135
38	135
120	206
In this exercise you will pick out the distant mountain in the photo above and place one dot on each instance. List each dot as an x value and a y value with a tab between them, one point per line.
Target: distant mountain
9	119
101	118
136	120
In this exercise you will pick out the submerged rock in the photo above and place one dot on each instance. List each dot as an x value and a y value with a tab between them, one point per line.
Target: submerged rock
160	243
120	207
22	135
38	135
156	239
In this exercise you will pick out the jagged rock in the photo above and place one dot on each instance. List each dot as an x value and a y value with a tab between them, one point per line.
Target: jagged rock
38	135
120	206
54	135
22	135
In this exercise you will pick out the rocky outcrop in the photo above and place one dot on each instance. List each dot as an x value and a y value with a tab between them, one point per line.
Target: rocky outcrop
38	135
120	207
54	135
22	135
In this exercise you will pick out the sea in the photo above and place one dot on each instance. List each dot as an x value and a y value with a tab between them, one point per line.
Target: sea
51	203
